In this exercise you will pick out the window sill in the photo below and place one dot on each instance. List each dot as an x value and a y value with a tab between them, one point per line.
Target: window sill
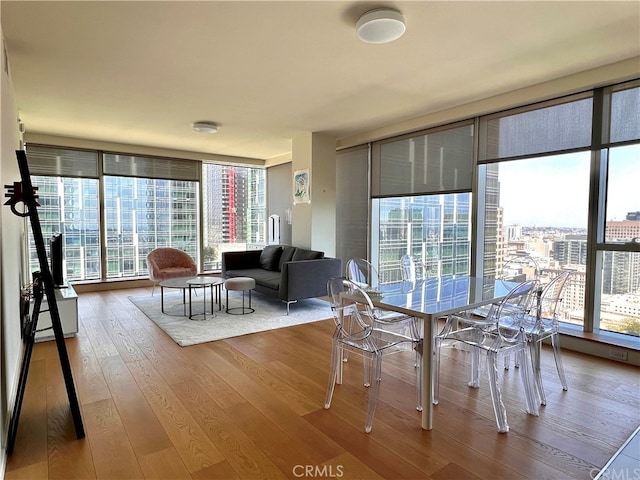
612	346
607	338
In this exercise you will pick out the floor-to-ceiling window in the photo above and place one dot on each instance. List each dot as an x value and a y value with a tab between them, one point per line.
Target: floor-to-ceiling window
145	213
554	183
435	230
68	192
113	209
421	206
70	206
557	182
617	226
539	210
234	210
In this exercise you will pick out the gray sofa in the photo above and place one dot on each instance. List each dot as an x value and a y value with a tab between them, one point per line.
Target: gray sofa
282	271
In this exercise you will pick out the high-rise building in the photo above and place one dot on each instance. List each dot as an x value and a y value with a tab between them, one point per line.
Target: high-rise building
434	229
621	270
69	206
512	232
572	250
234	212
623	230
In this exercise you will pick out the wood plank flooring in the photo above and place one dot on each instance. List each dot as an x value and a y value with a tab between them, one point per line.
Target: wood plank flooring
252	407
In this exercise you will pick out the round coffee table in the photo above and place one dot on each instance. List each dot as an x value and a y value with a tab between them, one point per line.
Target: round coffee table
214	283
181	283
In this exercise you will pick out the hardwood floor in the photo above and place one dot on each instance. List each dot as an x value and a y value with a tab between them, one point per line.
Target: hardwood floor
252	407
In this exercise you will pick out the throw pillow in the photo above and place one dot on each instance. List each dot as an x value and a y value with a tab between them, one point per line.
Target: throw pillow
302	254
287	255
270	257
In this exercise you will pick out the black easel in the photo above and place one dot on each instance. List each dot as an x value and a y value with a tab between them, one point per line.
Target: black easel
42	284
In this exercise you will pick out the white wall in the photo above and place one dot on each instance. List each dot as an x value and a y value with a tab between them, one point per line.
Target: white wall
280	197
11	251
314	223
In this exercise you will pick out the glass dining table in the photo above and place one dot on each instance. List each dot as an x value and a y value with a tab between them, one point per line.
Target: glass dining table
431	299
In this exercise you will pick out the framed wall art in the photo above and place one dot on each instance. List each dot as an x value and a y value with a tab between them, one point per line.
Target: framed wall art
301	187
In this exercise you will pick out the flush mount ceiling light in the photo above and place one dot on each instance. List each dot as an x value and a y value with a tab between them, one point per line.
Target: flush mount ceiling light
381	25
205	127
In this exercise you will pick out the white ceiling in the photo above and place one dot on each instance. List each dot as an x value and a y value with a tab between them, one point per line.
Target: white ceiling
142	72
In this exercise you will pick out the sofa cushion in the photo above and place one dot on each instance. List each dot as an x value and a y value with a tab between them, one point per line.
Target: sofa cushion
270	257
304	254
287	254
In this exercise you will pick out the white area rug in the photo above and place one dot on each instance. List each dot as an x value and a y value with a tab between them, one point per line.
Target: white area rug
270	313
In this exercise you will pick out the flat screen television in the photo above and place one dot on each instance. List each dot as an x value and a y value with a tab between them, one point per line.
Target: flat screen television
56	257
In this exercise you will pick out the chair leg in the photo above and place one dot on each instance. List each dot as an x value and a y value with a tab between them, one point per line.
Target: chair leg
373	393
496	395
418	349
507	361
532	400
475	368
333	372
368	371
415	332
555	343
534	352
475	361
436	371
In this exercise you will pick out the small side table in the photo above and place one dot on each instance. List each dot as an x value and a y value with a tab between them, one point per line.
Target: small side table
214	283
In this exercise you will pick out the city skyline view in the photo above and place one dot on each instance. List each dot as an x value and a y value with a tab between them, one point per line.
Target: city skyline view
553	191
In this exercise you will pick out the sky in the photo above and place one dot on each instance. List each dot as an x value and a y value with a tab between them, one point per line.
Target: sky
553	191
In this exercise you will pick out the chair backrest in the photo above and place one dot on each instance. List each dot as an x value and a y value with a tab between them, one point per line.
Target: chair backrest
351	325
513	310
167	257
164	257
408	268
552	295
362	273
520	268
336	286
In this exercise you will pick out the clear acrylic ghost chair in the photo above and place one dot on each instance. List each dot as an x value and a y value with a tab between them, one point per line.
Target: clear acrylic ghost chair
515	269
520	267
506	337
412	276
410	270
520	300
395	323
543	325
362	273
356	332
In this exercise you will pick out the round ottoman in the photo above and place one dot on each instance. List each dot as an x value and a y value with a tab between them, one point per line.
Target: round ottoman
243	284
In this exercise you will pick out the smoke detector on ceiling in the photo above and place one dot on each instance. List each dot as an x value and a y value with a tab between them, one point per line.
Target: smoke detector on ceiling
205	127
381	25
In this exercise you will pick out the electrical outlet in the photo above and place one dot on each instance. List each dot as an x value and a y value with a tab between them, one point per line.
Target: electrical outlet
618	354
